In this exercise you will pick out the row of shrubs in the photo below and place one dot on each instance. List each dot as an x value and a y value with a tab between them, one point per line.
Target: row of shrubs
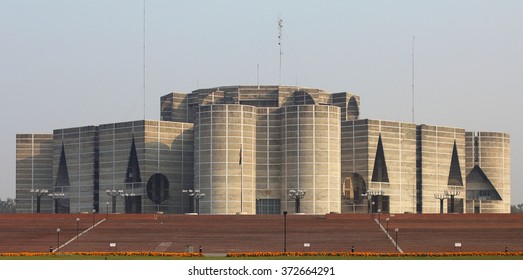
368	254
265	254
102	254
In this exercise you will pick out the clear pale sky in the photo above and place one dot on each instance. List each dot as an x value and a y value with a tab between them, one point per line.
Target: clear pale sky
75	63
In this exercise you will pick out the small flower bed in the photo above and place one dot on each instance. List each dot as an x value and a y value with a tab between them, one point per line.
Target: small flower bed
102	254
369	254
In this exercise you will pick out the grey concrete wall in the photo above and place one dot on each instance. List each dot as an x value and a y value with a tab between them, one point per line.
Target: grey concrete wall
79	148
311	157
359	147
491	153
182	107
349	104
437	144
220	132
162	148
34	170
268	153
174	107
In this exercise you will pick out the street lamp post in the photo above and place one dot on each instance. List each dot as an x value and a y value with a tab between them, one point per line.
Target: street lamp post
190	195
284	231
375	193
113	194
396	231
129	202
194	196
38	193
452	193
58	241
387	220
297	195
441	197
197	196
77	227
94	211
107	210
379	216
56	196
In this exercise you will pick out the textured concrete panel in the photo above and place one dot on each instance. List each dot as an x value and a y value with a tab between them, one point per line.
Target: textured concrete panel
359	148
225	165
490	151
34	167
304	159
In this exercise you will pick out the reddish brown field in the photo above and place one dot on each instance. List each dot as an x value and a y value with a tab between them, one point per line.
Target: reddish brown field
222	234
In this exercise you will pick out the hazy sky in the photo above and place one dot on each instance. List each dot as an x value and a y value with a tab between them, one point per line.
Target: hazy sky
74	63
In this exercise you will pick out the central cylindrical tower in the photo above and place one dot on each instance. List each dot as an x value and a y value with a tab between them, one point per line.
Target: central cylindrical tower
311	158
225	157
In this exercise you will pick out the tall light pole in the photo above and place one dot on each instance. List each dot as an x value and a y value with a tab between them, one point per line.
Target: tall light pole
441	197
375	193
129	202
194	200
297	195
197	196
58	241
379	216
284	231
387	220
94	211
452	193
107	210
38	193
113	194
190	194
396	231
77	227
56	196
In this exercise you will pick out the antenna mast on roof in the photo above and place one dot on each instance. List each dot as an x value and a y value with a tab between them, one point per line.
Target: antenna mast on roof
144	59
413	37
280	31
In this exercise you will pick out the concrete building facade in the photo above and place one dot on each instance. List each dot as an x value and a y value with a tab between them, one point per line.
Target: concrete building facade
488	172
34	172
440	169
379	166
264	150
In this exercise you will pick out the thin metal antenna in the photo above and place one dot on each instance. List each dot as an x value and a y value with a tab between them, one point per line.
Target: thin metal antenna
280	31
413	37
144	59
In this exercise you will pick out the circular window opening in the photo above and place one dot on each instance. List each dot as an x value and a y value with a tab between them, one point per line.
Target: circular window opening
158	188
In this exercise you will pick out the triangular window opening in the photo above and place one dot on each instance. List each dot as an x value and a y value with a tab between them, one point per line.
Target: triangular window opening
455	178
479	186
133	168
62	177
133	203
379	173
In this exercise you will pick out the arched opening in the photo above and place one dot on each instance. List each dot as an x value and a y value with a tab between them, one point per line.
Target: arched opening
353	109
303	98
354	187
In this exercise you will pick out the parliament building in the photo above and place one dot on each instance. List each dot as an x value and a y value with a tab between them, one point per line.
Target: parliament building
262	150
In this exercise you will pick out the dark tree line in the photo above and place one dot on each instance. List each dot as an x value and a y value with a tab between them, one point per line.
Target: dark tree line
7	206
516	208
